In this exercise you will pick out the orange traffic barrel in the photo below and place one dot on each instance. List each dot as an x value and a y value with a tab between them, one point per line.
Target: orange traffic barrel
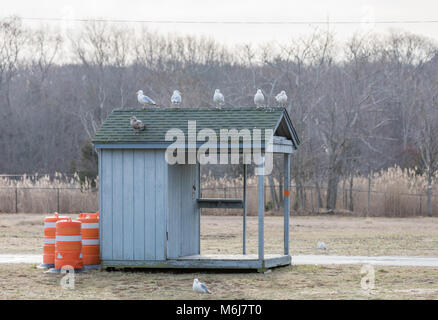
49	240
68	244
90	239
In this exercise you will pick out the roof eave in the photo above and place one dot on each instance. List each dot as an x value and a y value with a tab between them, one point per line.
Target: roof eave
292	132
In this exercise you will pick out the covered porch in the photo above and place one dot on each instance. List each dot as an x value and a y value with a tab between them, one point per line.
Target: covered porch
260	261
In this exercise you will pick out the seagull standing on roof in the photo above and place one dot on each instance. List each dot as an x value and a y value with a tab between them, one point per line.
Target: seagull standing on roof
218	98
176	98
281	97
137	125
144	100
259	98
200	287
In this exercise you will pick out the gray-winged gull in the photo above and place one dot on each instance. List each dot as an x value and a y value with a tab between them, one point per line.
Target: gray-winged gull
176	97
200	287
281	97
259	98
144	100
321	245
218	98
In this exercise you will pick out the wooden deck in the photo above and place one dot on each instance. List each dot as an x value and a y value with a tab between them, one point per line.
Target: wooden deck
209	261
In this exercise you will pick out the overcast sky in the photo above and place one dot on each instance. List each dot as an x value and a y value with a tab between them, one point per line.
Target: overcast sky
240	10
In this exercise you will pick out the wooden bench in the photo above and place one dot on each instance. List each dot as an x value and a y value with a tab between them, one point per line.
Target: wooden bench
220	203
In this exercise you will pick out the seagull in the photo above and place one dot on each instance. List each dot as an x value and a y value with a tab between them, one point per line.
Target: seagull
321	245
199	287
176	97
259	98
137	125
144	100
281	97
218	98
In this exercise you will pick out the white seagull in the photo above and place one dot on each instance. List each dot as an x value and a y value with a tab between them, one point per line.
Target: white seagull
321	245
218	98
281	97
176	98
144	100
259	98
137	125
199	287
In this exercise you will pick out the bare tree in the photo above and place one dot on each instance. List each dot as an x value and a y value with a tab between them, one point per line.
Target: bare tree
427	130
12	41
103	52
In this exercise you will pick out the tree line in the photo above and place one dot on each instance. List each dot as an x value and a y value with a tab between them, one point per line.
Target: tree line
359	106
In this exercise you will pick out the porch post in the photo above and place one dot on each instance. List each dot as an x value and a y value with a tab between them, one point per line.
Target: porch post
286	202
244	208
261	208
198	196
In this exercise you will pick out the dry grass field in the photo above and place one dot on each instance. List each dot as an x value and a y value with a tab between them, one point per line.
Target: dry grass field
294	282
22	233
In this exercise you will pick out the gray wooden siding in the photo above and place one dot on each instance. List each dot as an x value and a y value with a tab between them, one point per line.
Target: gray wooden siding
183	214
133	203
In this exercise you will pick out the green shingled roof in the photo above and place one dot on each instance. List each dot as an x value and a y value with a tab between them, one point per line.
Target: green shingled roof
117	130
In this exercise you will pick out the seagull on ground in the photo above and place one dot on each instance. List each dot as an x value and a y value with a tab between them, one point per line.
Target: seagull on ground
218	98
176	98
199	287
137	125
321	245
144	100
281	97
259	98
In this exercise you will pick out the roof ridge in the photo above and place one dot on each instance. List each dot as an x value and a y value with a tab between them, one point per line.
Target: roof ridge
276	108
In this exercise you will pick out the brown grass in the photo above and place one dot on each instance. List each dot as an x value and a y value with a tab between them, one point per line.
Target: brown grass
22	233
293	282
342	235
394	193
25	194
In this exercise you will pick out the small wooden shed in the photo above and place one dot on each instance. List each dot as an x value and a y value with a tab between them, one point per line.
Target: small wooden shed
150	210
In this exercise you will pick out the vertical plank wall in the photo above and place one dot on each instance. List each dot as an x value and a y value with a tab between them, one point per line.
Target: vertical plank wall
133	204
183	215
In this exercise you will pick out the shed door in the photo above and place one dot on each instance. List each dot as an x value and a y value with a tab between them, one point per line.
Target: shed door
133	197
183	215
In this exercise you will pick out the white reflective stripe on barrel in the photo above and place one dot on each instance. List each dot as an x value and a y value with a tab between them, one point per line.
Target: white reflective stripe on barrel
90	242
49	224
90	225
68	238
49	240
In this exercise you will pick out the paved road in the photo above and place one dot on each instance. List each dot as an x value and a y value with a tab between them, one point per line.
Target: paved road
298	260
21	258
377	261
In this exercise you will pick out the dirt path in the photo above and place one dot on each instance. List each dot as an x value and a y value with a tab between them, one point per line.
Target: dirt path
297	260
